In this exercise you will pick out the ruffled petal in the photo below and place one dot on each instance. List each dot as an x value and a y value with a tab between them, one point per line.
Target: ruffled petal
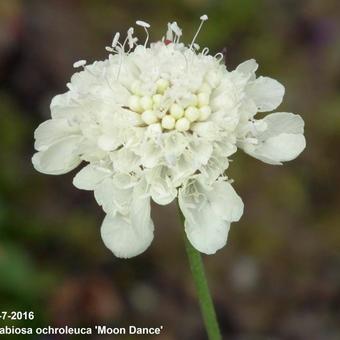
131	234
62	106
281	141
124	238
51	131
267	93
282	122
282	148
60	158
247	67
162	190
225	201
208	211
90	176
112	198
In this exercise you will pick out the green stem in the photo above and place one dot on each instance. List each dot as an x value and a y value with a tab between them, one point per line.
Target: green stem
202	289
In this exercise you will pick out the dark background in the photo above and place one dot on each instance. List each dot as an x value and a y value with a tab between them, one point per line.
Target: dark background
279	275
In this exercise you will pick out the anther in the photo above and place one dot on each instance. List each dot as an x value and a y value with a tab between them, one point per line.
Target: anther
79	63
145	25
203	19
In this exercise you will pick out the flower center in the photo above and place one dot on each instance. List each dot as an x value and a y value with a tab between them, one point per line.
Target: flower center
160	110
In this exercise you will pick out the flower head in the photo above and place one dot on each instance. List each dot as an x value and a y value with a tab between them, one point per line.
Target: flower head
159	122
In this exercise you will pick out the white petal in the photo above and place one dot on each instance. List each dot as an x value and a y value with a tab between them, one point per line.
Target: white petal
129	235
150	154
282	122
282	148
225	202
162	190
89	177
207	232
174	146
206	223
62	106
51	131
266	92
207	130
112	198
59	158
282	141
247	67
182	170
125	160
201	152
140	206
124	238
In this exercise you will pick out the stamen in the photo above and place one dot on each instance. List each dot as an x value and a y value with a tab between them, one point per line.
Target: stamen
121	53
79	63
142	24
175	28
169	35
115	40
203	18
145	25
130	37
219	56
196	46
124	43
205	51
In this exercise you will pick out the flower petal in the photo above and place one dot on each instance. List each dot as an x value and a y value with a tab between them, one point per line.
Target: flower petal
208	215
281	141
282	122
59	158
124	238
225	201
248	67
162	190
266	92
282	148
90	176
112	198
131	234
51	131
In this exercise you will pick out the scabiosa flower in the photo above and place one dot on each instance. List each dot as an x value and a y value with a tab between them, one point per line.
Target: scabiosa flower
161	122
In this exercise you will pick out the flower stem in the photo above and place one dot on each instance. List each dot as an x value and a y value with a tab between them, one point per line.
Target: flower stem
202	289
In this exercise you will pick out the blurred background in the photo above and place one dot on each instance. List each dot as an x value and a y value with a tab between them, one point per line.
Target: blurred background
279	275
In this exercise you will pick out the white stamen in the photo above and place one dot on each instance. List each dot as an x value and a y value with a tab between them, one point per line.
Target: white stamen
120	50
196	46
205	51
145	25
130	37
219	56
115	40
142	24
124	43
79	63
175	28
203	19
169	35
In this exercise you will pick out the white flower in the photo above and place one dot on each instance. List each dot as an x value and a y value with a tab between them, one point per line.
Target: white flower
161	122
